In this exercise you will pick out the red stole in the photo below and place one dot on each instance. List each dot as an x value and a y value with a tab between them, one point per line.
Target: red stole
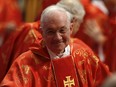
65	72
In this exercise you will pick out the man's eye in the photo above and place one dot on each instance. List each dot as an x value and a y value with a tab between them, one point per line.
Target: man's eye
50	32
62	30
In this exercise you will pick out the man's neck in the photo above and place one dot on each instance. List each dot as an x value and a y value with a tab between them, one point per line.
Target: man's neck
62	54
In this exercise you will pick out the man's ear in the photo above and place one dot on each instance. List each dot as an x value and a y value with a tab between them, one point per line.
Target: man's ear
72	24
74	19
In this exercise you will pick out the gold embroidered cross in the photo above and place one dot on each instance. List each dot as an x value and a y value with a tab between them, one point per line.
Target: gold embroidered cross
69	82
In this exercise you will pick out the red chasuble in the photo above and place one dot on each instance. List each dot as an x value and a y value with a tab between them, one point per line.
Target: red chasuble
34	68
60	67
17	43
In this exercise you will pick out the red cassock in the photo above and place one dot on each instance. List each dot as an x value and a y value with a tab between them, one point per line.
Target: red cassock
17	43
34	68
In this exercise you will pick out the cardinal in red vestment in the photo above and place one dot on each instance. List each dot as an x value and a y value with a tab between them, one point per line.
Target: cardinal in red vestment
57	60
17	43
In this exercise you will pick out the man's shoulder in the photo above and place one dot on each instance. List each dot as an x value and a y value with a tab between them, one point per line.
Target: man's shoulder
30	58
78	47
78	44
25	57
81	51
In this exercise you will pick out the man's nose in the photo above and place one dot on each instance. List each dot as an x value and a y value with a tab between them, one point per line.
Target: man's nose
58	36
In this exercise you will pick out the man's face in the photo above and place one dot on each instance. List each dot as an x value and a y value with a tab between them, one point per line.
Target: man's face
56	33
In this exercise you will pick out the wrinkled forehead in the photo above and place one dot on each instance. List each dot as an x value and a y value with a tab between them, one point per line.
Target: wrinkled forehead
55	18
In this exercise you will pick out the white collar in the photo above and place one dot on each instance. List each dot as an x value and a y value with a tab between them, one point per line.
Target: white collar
54	56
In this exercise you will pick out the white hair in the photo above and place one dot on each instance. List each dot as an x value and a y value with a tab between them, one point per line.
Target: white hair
74	7
49	11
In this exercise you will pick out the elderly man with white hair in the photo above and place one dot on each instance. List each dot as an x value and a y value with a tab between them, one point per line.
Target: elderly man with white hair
57	60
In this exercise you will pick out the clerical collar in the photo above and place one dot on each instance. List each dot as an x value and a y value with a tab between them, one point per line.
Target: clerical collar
54	56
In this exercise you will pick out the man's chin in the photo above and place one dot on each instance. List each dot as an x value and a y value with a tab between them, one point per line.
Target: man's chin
59	50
